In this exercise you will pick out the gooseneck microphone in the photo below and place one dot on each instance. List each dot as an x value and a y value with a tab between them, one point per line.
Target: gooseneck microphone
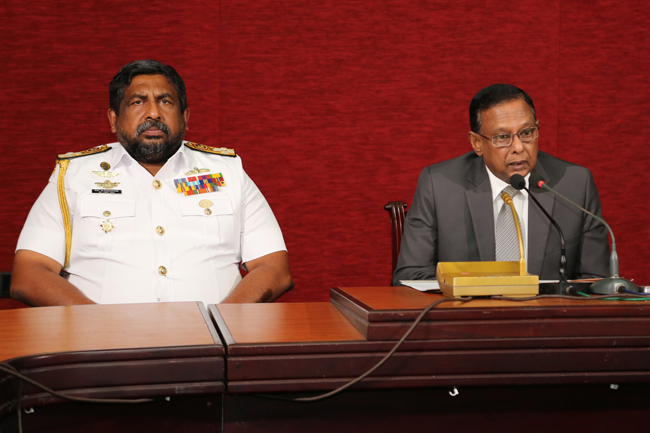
606	286
518	182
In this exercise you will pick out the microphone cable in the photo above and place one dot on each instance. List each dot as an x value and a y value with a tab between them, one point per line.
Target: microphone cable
419	319
9	369
376	366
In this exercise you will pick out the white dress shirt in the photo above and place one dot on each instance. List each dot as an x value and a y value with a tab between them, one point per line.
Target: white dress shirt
161	245
519	200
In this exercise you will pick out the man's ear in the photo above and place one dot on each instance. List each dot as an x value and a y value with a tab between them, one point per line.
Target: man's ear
186	116
475	141
112	119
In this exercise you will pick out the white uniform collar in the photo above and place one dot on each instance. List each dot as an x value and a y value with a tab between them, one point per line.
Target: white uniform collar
180	161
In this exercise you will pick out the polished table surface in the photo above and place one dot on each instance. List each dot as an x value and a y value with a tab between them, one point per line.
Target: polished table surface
33	331
284	323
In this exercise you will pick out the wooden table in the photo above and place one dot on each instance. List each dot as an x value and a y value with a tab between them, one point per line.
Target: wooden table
546	365
165	351
552	364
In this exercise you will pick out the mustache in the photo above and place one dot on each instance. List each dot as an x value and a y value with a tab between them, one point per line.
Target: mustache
152	124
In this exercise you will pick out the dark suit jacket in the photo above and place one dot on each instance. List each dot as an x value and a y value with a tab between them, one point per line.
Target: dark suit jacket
451	220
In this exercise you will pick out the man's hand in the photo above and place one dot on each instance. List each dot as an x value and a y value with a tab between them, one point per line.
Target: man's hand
268	278
35	281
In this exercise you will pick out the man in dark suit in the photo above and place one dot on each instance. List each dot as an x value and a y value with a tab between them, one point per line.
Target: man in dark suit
452	218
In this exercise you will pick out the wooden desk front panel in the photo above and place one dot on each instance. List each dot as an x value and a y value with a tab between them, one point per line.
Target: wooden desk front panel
267	360
386	313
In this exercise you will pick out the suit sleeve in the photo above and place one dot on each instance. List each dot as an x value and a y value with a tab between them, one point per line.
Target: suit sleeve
593	258
418	255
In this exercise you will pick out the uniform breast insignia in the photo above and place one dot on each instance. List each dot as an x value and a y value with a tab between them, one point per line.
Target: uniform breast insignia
91	151
105	173
206	205
107	188
197	170
223	151
199	184
107	226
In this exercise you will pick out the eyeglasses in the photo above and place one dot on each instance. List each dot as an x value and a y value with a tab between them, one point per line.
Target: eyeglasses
526	135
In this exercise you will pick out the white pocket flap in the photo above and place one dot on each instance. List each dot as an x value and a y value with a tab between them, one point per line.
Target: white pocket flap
100	206
191	206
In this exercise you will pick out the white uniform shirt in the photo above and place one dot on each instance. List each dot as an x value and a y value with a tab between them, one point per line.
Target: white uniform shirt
163	246
519	200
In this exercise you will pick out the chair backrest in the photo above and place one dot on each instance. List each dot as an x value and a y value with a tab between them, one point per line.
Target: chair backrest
6	303
397	213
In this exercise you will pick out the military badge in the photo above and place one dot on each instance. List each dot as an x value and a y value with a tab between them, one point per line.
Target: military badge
197	170
105	173
206	205
199	184
107	226
107	188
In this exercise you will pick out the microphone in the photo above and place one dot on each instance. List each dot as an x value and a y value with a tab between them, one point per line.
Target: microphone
606	286
518	182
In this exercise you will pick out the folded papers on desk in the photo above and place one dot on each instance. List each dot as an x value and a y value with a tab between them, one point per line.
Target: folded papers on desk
422	285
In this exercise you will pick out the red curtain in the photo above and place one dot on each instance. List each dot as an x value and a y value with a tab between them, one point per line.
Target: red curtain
336	106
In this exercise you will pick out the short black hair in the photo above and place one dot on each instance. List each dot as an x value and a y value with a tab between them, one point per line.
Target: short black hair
122	80
492	96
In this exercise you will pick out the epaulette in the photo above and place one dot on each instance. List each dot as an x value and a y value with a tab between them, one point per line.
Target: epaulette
91	151
223	151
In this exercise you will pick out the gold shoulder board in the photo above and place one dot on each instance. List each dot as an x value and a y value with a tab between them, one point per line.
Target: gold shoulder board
209	149
91	151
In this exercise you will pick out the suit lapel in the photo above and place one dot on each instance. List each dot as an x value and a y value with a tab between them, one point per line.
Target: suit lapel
538	224
479	202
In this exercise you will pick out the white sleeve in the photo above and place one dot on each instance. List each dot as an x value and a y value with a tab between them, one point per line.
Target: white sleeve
260	232
43	231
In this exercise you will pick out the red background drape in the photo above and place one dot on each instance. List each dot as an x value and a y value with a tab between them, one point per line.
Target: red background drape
336	106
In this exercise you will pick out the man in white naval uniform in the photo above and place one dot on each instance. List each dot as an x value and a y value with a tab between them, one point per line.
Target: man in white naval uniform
152	218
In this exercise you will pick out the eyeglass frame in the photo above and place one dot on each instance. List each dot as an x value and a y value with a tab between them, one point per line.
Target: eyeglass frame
512	137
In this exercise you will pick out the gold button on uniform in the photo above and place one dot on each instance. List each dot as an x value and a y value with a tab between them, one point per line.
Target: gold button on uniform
107	213
208	212
162	270
160	230
157	184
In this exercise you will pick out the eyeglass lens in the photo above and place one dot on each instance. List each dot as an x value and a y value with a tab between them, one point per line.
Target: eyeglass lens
525	135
